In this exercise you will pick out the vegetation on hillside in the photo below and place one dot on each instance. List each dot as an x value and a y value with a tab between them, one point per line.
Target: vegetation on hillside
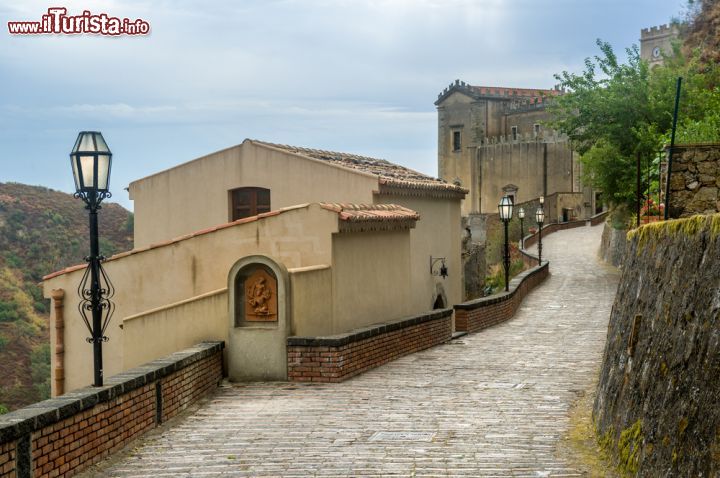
615	112
41	231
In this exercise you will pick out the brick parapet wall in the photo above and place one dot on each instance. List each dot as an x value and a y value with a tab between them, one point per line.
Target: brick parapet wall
481	313
599	218
339	357
7	460
531	240
64	435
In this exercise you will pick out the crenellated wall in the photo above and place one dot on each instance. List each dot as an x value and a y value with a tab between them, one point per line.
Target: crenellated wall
656	409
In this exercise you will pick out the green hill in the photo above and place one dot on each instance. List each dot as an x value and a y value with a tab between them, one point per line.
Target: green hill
41	231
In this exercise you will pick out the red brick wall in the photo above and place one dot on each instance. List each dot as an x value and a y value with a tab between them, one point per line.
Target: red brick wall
71	432
76	442
324	362
7	460
598	218
180	390
482	313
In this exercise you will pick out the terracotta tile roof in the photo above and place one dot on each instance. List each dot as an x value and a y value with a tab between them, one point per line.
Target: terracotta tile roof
371	212
389	174
369	216
373	217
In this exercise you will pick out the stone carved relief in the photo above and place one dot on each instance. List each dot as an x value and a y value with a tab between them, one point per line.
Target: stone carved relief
260	297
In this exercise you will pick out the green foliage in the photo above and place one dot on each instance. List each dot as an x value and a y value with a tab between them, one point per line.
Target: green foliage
41	231
496	280
615	113
40	368
611	171
129	225
3	409
9	311
629	447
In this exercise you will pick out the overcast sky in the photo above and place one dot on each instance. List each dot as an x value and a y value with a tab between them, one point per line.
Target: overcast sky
358	76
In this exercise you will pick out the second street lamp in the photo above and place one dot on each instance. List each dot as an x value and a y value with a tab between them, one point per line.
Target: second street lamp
540	219
505	208
91	160
521	216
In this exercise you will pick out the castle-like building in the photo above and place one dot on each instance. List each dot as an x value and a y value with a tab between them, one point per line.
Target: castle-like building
493	141
656	42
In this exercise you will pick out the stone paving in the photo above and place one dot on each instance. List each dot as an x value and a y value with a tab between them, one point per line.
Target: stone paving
492	404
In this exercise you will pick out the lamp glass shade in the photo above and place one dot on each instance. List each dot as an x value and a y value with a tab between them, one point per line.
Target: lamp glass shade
540	215
542	200
91	160
505	208
521	213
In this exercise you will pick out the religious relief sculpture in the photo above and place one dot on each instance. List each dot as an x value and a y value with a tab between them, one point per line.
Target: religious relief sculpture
260	297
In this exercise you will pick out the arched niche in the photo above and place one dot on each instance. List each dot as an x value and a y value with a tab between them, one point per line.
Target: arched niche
258	319
439	297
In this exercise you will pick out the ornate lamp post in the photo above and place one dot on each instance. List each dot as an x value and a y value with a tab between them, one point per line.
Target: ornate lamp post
540	219
521	216
91	160
506	209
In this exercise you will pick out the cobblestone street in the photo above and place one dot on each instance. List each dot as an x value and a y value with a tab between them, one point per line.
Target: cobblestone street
493	403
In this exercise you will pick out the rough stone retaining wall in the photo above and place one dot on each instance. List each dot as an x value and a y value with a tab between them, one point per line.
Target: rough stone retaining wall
481	313
339	357
64	435
695	180
613	245
657	406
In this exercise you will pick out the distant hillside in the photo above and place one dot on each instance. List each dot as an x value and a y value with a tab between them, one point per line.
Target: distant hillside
703	31
41	231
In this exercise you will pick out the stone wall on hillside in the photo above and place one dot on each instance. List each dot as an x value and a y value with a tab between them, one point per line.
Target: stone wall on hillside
613	245
657	408
695	180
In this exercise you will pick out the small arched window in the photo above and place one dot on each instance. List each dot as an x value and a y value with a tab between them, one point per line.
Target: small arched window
248	202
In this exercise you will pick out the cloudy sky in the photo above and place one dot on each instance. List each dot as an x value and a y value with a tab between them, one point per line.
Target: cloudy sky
348	75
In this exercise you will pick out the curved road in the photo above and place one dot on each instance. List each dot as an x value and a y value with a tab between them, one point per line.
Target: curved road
493	403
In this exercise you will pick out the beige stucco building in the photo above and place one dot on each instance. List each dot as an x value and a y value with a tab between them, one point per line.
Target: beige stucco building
259	242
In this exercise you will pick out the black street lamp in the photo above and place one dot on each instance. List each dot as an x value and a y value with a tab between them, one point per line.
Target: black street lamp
521	216
506	209
540	219
91	160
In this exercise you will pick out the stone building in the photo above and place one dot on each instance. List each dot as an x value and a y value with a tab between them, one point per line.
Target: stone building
259	242
656	42
493	141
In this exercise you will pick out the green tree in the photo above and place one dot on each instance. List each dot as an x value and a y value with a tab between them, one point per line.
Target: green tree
607	114
9	311
40	367
614	112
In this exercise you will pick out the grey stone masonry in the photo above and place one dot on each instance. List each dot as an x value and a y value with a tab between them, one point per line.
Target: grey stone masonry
494	403
695	180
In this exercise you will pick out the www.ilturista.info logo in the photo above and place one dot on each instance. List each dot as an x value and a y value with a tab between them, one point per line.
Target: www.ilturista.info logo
57	21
